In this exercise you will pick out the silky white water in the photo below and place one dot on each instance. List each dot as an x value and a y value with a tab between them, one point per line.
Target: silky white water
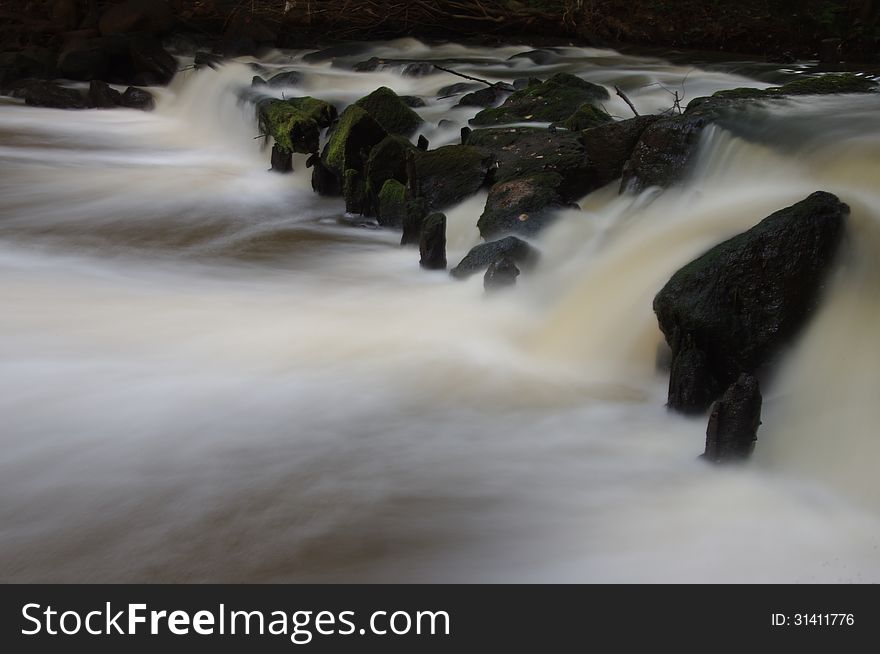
208	373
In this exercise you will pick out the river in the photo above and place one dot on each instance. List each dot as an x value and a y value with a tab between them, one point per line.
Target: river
209	373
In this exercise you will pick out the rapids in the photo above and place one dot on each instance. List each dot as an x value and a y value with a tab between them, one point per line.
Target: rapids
208	373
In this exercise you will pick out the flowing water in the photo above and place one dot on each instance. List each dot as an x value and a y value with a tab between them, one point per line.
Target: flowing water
207	372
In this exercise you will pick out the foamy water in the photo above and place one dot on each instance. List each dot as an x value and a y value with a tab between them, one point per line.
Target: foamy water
206	374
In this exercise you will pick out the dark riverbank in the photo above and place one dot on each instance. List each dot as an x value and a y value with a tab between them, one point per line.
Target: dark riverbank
779	30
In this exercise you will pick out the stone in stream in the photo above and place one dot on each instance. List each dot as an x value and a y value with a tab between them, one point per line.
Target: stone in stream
586	116
502	273
609	146
734	421
486	97
282	160
350	142
392	204
135	98
51	95
432	242
413	101
424	145
387	161
354	190
324	181
734	308
257	81
521	206
413	219
554	100
481	256
295	123
102	96
390	112
291	78
448	175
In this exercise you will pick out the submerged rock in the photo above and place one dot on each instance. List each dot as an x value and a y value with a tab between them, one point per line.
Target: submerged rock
480	257
502	273
290	78
554	100
102	96
135	98
732	309
432	243
282	160
448	175
486	97
392	113
413	101
609	146
734	421
51	95
522	206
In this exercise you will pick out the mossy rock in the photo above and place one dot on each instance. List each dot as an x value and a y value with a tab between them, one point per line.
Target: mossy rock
295	124
551	101
812	85
523	151
388	161
392	204
448	175
521	206
351	140
390	111
585	117
354	190
432	242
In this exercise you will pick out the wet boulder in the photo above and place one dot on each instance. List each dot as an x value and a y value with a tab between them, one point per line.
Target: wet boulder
413	101
282	160
448	175
551	101
416	212
457	89
609	146
502	273
586	116
392	204
135	98
354	190
522	206
480	257
387	161
290	78
734	308
102	96
295	123
523	151
486	97
432	242
734	421
51	95
351	140
390	112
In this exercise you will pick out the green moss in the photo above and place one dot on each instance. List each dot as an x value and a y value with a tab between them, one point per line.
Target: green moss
392	204
295	123
355	191
351	140
388	161
449	174
320	111
392	113
551	101
585	117
827	84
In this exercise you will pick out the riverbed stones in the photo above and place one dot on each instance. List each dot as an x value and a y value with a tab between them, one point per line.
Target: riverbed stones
282	160
392	113
102	96
432	242
521	206
734	421
502	273
351	140
586	116
135	98
553	100
734	308
483	255
51	95
448	175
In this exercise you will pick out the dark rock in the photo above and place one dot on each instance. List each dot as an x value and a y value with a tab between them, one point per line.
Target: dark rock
291	78
502	273
354	191
608	147
392	204
387	161
524	151
413	219
734	421
465	135
85	62
733	309
295	123
830	51
324	181
554	100
423	144
486	97
258	81
390	112
137	16
282	160
371	65
521	206
585	117
457	89
102	96
413	101
432	244
49	94
135	98
448	175
351	141
480	257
